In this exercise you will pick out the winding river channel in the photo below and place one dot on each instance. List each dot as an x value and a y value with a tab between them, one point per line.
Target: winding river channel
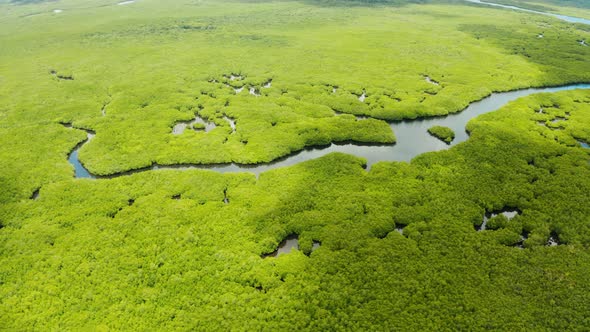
412	136
569	19
412	139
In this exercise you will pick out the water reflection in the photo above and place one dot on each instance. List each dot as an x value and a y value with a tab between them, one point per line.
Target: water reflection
509	214
285	247
80	170
180	127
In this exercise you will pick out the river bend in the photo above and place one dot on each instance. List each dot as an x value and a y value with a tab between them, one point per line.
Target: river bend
413	139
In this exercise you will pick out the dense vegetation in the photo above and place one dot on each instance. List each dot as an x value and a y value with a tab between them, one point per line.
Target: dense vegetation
445	134
575	8
537	4
402	245
183	58
124	254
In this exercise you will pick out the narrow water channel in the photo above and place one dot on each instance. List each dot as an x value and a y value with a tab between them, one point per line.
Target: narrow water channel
413	139
566	18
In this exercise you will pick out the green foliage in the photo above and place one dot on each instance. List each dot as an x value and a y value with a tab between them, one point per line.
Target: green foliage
523	41
366	2
183	249
161	250
198	126
445	134
523	4
142	102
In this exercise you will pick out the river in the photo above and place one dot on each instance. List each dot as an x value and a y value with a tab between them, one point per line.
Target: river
569	19
413	139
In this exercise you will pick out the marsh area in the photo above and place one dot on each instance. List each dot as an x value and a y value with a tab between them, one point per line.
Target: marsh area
215	165
413	138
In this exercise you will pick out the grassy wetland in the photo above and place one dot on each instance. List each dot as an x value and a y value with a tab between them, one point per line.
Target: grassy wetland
492	233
